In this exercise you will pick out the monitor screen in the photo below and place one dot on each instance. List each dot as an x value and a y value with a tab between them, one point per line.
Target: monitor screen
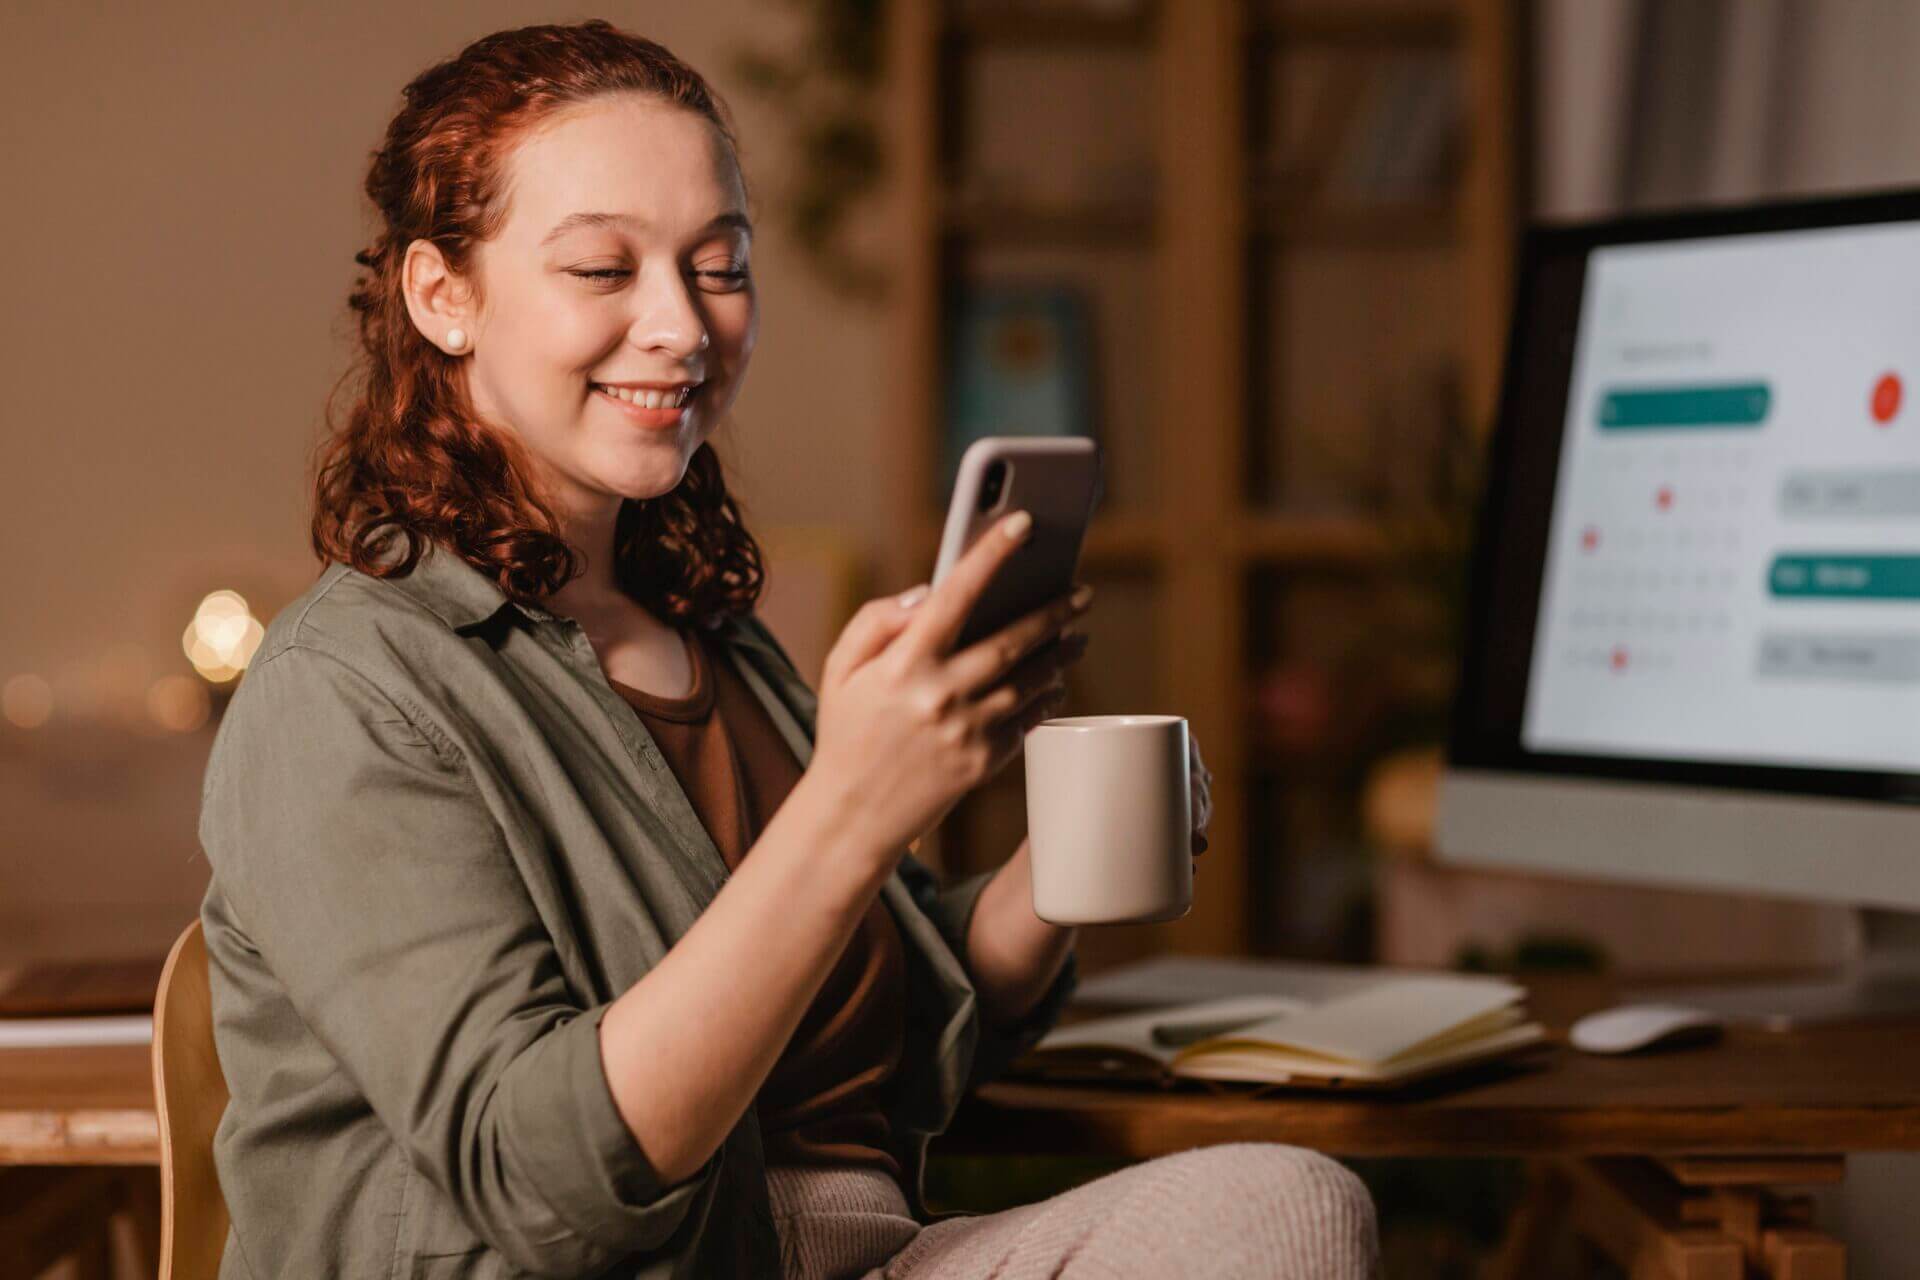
1699	557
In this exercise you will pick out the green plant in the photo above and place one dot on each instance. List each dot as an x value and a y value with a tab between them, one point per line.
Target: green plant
1415	478
826	90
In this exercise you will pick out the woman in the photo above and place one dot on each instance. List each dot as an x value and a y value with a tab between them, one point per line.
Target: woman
497	989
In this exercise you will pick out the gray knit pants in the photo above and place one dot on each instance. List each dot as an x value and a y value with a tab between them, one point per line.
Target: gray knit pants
1237	1211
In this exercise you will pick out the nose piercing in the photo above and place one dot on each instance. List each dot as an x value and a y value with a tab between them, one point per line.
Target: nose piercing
704	340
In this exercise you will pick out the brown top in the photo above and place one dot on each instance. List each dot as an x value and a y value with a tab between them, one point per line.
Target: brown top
822	1103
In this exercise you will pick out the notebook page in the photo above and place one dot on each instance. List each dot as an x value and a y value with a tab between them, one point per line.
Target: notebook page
1383	1022
1135	1030
1270	1066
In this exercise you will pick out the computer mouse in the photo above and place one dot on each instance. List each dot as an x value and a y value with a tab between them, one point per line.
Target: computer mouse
1627	1027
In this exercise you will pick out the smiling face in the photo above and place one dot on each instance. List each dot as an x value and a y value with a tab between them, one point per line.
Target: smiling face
623	260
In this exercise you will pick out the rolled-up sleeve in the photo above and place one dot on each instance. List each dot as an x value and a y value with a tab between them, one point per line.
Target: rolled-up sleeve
365	866
951	910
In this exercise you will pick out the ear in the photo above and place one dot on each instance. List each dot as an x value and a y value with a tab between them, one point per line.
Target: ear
437	299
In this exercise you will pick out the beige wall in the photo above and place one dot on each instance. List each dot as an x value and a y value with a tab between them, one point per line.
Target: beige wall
184	206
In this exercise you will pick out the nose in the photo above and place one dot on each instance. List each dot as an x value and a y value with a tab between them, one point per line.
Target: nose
667	316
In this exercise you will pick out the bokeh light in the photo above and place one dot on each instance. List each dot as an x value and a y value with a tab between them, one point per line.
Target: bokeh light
179	703
26	700
121	676
222	637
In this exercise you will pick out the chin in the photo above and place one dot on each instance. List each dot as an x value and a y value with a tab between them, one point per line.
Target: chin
644	479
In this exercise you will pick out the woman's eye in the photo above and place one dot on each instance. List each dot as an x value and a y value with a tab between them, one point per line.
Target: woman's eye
732	279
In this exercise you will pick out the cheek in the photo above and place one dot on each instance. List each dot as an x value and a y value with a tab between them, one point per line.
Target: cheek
559	333
733	329
734	321
574	339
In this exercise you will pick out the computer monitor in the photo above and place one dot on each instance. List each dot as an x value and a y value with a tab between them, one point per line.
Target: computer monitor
1692	654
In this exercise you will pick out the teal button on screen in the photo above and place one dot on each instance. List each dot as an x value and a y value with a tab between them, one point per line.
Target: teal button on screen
1875	577
1731	404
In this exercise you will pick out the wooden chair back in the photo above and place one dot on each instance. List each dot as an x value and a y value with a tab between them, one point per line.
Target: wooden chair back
190	1094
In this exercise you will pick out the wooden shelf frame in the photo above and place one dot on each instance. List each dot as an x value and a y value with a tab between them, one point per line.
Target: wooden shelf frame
1329	22
1203	540
1118	225
1123	541
1016	25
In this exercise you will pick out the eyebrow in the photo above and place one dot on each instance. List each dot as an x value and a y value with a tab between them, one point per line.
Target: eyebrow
731	218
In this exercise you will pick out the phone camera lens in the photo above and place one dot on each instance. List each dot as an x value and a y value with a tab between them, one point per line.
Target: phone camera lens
990	487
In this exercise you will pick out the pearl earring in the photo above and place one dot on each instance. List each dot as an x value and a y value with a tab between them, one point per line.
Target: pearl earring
457	339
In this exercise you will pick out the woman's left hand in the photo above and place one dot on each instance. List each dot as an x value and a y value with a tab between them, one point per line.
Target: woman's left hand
1202	792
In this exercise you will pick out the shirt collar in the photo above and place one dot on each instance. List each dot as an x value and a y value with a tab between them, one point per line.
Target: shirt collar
454	591
464	598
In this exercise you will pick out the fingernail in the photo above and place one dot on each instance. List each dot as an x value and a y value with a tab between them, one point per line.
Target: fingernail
1082	594
908	599
1016	525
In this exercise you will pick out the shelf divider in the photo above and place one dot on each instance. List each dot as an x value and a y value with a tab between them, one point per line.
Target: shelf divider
1202	304
1201	544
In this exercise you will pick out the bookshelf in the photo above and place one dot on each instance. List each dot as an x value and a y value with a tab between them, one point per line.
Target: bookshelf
1199	267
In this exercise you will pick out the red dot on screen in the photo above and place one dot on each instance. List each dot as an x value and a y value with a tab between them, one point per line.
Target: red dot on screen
1886	398
1664	498
1590	539
1620	658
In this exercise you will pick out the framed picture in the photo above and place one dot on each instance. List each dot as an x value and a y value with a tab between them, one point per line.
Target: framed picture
1019	363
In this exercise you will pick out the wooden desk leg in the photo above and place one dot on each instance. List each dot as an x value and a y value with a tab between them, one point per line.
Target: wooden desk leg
94	1259
1627	1209
1704	1218
1797	1253
47	1215
143	1211
1775	1233
1526	1247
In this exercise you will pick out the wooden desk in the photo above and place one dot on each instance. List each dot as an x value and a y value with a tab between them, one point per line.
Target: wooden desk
91	1105
1791	1093
79	1106
61	1108
1711	1131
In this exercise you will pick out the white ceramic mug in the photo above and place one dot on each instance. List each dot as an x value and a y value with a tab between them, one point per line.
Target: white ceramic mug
1110	818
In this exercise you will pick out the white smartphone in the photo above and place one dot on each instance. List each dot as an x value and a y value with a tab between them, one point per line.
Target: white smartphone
1058	480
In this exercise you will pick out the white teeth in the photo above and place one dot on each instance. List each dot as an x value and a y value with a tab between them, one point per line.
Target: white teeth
650	397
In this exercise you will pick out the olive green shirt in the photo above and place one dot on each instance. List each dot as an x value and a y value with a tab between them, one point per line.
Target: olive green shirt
441	846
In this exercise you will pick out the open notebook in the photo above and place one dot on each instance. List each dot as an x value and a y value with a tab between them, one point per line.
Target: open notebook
1381	1035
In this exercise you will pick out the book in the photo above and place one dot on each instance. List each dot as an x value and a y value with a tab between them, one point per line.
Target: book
1383	1034
1404	136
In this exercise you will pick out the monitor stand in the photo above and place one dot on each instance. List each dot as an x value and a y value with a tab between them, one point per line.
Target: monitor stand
1882	981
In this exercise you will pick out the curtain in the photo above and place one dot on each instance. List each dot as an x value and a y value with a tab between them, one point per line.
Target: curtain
1644	104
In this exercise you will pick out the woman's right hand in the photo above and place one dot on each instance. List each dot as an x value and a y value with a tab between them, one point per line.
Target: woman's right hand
904	728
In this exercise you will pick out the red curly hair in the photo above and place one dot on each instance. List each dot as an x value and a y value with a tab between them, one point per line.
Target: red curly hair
411	459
